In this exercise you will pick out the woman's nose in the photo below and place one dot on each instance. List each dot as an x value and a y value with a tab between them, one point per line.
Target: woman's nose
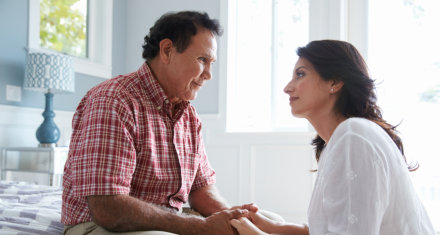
288	88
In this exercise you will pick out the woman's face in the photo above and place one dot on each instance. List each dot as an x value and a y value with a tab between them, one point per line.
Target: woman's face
309	94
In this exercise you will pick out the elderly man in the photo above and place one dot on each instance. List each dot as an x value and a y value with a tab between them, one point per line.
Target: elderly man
136	152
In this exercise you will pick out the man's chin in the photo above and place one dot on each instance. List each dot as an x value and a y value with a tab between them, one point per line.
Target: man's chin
193	97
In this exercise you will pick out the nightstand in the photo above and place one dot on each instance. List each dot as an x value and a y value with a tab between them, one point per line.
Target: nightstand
39	165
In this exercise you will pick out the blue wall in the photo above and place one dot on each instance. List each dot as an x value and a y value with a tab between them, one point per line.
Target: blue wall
141	15
13	40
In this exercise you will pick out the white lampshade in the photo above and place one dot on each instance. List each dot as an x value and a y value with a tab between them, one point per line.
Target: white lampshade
49	72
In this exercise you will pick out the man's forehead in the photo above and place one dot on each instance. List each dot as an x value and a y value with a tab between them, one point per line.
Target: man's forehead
205	43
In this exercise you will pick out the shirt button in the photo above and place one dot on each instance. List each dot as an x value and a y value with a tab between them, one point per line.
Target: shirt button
158	107
166	101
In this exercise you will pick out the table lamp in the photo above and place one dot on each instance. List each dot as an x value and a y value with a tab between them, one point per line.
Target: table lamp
49	73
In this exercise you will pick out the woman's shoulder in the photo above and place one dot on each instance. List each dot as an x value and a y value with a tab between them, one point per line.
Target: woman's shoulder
357	125
362	132
360	128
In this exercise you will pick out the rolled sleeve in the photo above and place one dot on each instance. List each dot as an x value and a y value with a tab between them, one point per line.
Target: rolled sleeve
105	156
205	173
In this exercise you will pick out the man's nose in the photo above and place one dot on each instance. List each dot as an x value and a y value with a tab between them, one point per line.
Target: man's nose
207	73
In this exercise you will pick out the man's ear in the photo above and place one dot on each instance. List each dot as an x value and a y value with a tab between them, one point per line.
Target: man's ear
337	86
165	49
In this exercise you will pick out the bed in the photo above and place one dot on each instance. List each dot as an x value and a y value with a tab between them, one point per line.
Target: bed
29	209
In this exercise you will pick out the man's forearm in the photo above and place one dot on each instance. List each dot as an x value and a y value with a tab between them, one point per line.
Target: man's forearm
207	200
125	213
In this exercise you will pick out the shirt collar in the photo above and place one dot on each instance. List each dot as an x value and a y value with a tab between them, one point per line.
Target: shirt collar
156	92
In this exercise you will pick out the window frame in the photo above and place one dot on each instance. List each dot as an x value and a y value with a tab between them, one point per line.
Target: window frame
99	40
339	19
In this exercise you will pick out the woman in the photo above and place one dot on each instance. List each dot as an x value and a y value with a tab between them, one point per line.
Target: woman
363	184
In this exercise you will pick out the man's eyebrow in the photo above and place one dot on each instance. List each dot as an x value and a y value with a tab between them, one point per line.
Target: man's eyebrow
210	57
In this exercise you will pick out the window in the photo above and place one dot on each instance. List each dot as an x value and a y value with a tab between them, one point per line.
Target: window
263	36
98	54
401	51
63	26
404	59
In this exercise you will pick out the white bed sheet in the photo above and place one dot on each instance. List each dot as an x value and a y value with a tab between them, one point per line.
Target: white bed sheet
29	209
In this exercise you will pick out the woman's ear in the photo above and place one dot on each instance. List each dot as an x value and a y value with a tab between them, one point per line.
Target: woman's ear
165	49
336	86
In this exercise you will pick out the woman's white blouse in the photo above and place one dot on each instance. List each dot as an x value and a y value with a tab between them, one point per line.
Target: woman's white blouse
363	186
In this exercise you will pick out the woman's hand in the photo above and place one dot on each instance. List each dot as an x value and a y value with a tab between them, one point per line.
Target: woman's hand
246	227
250	207
262	222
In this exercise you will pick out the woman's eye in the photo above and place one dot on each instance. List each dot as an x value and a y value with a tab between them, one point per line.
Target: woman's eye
299	74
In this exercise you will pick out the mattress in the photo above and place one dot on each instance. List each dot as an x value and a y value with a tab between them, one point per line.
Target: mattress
30	209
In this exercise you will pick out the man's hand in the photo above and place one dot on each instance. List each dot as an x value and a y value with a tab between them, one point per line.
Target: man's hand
246	227
218	223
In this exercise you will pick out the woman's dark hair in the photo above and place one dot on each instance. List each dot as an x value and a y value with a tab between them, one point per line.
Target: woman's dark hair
179	27
340	61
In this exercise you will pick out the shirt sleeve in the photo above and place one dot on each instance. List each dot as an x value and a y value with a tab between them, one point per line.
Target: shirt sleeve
355	191
205	173
104	153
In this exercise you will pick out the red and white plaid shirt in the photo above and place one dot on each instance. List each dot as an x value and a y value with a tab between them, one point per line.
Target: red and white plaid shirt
125	141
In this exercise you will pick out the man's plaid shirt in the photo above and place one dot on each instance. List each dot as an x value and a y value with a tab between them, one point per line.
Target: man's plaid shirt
125	141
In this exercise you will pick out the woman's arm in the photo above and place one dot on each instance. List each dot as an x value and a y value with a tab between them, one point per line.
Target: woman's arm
262	225
355	188
292	229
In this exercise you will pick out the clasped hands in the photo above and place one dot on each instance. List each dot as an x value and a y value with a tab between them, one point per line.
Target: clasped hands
245	219
254	223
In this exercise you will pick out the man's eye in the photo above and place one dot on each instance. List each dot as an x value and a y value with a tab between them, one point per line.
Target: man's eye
203	59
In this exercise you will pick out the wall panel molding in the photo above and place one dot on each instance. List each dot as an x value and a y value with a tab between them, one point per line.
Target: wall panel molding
18	126
269	169
273	168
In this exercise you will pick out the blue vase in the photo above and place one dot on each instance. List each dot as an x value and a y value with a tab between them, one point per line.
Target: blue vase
48	132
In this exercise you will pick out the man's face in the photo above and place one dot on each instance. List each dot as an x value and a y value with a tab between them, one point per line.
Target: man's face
188	71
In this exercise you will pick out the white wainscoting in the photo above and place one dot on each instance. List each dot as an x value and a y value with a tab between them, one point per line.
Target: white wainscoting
18	126
269	169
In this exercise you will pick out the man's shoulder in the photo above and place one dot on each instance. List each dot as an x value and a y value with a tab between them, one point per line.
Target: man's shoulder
115	87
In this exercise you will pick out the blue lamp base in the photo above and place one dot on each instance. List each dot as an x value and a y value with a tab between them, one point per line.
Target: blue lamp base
48	132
